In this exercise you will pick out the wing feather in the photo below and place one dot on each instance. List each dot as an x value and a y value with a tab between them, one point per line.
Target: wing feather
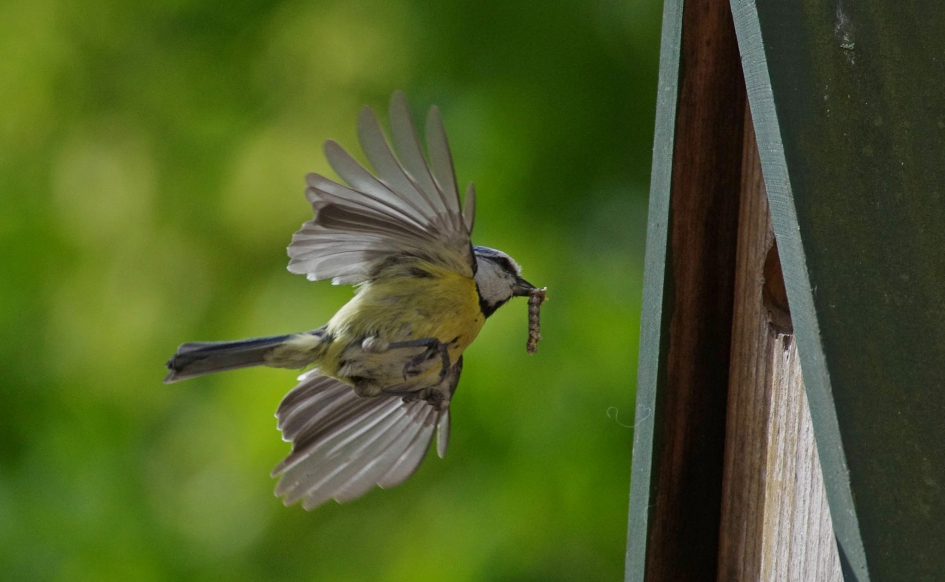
354	417
412	456
363	181
319	457
441	160
358	480
351	478
336	452
410	208
343	445
443	433
469	207
388	168
321	191
407	145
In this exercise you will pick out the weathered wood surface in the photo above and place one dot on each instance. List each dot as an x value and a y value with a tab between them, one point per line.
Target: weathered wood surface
798	543
742	522
775	523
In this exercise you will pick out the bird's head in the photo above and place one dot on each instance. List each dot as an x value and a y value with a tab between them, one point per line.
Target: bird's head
498	279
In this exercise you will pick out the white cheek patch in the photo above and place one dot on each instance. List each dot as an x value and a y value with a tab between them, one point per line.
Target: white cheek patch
494	284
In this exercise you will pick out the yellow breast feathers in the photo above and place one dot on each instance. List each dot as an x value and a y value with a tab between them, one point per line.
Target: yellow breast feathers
409	301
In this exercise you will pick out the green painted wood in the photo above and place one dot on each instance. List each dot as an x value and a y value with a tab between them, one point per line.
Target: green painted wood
848	102
654	322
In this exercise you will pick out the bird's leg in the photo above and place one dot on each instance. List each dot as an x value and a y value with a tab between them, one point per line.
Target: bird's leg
438	396
432	346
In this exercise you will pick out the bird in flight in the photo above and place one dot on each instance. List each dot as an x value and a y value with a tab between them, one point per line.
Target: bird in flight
386	366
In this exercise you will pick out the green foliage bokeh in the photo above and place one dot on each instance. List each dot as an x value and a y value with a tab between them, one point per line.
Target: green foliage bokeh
152	157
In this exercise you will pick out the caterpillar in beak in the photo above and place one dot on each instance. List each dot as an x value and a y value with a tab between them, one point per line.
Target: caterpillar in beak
535	298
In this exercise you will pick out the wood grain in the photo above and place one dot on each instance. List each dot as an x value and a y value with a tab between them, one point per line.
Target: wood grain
775	523
798	542
743	490
689	440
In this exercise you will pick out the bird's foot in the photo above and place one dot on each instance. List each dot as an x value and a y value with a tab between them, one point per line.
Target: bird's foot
434	347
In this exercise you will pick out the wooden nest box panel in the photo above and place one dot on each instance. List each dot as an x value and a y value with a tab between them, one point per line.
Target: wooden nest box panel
790	420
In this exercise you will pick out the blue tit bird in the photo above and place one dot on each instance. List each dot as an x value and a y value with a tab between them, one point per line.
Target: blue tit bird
386	366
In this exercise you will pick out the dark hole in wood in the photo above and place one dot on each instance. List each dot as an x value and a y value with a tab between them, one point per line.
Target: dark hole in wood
774	293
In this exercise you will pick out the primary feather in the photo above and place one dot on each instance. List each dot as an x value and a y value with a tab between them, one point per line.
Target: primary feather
343	445
411	208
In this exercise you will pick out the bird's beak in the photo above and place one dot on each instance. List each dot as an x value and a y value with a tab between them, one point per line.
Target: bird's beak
522	288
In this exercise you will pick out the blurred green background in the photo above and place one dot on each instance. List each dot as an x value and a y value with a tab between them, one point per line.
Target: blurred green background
152	157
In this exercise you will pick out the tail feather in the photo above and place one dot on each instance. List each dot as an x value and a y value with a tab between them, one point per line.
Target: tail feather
199	358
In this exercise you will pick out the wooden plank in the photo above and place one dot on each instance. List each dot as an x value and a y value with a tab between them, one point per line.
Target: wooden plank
753	335
775	523
798	542
690	431
800	292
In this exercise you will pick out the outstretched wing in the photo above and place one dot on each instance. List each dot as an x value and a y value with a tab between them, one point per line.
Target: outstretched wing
343	444
410	208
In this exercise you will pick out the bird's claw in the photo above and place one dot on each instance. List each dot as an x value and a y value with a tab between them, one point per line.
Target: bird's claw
412	368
